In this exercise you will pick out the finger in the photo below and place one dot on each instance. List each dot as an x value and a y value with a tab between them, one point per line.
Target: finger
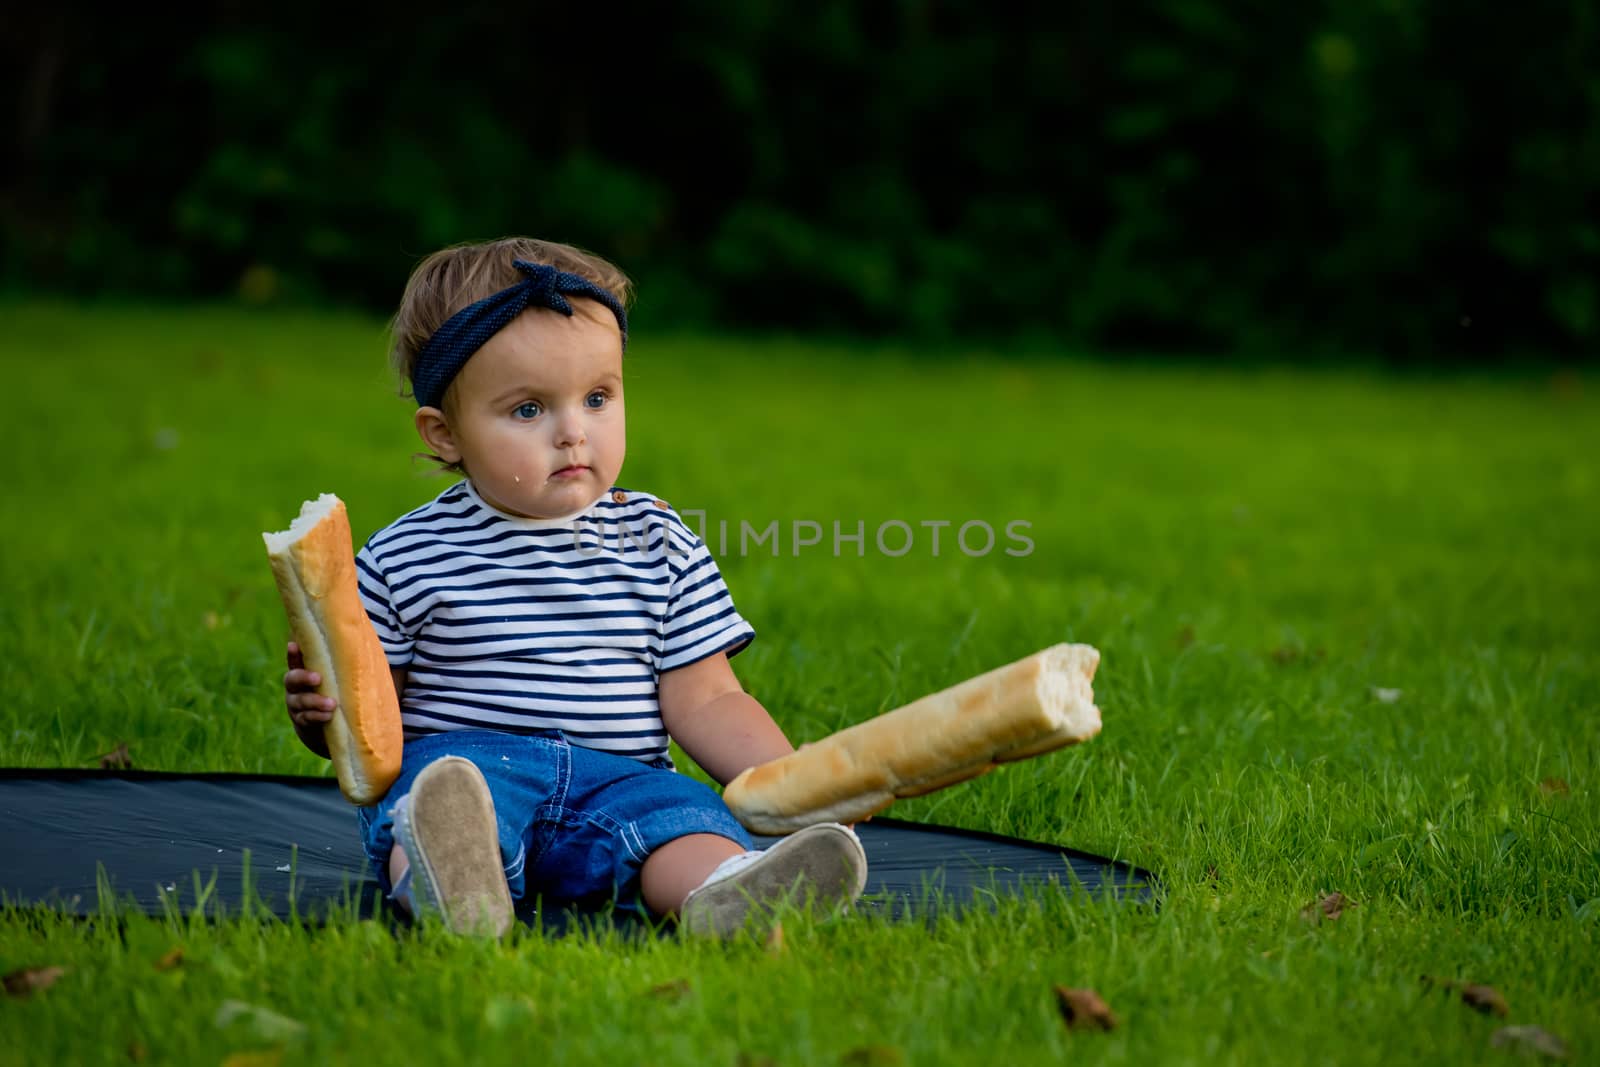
299	679
295	659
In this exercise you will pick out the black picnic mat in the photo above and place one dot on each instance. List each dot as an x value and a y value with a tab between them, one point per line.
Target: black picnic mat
161	842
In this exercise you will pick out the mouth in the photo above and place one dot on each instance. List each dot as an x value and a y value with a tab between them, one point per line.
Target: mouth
570	472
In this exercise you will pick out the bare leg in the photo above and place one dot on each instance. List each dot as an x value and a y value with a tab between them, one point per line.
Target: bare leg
399	863
680	865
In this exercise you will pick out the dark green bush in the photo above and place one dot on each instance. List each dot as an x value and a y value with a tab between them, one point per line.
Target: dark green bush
1411	179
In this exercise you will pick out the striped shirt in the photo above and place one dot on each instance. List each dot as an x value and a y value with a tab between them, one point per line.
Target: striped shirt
517	624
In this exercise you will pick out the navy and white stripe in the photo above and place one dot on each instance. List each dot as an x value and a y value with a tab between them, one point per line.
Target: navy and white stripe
513	624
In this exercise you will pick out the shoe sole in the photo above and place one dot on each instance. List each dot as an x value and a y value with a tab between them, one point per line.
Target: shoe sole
454	846
826	859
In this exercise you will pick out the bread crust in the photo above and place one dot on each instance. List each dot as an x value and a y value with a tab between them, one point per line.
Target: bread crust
316	579
1024	709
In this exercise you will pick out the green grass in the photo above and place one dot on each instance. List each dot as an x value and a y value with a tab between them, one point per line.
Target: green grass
1253	552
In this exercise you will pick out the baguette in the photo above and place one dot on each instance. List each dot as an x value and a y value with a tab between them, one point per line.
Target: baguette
314	566
1023	709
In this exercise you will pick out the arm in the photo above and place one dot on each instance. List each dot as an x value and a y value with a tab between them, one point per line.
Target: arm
722	728
310	735
308	709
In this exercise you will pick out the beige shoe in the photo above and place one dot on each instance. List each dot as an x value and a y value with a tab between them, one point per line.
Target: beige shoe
447	827
825	861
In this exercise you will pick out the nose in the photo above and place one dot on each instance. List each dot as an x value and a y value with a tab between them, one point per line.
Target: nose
569	430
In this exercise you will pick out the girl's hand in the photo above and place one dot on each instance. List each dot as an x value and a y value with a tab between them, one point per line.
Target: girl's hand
307	707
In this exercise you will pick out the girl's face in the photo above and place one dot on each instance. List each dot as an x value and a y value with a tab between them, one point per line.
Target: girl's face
539	422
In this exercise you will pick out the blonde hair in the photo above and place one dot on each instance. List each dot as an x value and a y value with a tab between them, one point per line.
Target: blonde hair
456	277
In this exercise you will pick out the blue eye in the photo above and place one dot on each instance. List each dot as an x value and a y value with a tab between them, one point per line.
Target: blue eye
530	404
597	395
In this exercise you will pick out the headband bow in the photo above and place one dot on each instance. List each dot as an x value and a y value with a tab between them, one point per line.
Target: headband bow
469	329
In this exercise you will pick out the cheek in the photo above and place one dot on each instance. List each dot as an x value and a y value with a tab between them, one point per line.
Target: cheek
513	450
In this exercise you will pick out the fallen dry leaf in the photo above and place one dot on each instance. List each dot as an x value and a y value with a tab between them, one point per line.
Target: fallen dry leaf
31	979
774	942
262	1057
1530	1039
1083	1009
172	959
117	759
1553	787
137	1052
1485	998
872	1056
1566	384
1330	906
676	989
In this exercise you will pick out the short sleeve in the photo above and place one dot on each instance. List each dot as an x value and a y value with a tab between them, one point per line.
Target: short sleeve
701	619
398	646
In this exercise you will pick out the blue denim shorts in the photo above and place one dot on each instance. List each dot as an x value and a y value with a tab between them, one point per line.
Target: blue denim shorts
575	824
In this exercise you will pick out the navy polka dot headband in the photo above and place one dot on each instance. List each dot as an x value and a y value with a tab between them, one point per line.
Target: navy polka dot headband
469	329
